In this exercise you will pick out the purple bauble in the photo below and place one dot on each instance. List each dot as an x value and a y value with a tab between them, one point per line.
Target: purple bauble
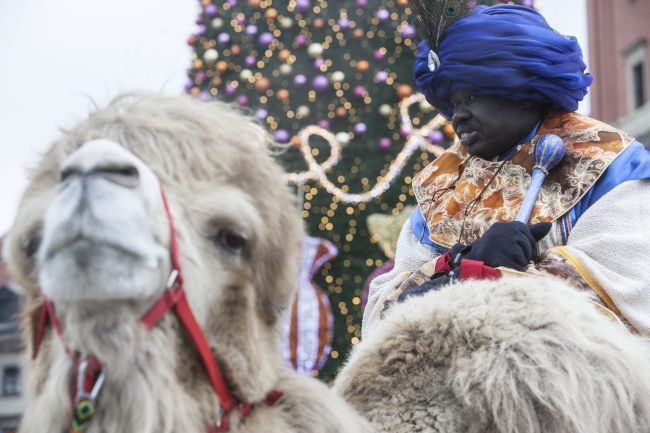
303	5
381	76
344	23
201	76
300	80
251	30
360	128
403	132
201	29
362	3
223	38
230	89
359	91
241	20
232	2
282	136
325	124
408	32
261	114
210	10
385	143
318	63
250	61
205	96
300	40
188	85
436	137
242	100
379	55
383	14
320	83
265	38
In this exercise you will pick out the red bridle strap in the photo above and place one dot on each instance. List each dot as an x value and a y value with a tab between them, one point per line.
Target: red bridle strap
174	298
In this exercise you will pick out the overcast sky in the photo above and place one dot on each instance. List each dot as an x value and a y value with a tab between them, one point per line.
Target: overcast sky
57	54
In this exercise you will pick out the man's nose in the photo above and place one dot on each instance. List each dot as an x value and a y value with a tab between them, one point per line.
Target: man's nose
461	114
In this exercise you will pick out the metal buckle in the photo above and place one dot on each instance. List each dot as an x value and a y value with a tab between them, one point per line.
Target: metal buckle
171	281
81	379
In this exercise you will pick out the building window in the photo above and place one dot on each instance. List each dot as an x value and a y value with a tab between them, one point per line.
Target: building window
11	381
635	65
638	83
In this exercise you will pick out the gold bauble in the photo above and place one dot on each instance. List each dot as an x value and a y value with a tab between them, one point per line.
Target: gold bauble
448	130
235	49
358	33
222	66
318	23
404	91
284	55
283	95
262	85
254	3
271	14
341	112
363	66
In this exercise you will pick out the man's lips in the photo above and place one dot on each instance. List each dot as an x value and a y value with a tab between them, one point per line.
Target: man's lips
468	138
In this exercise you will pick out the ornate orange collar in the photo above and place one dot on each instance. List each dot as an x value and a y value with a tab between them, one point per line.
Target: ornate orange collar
461	196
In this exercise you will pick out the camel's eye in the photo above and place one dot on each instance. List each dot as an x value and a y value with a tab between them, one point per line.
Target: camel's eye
33	243
231	240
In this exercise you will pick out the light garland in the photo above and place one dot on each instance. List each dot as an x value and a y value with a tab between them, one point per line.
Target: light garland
417	138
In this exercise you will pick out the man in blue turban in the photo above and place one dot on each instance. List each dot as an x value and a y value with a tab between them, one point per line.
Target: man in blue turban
505	78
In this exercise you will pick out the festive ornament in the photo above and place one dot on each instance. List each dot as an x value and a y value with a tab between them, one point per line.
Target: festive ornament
404	91
265	39
285	23
210	56
320	83
282	136
245	74
343	138
360	128
262	85
363	66
315	50
302	112
271	13
338	76
222	66
300	80
217	23
283	95
385	143
285	69
308	335
284	55
385	110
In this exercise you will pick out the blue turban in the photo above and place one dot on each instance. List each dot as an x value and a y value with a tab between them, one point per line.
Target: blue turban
507	51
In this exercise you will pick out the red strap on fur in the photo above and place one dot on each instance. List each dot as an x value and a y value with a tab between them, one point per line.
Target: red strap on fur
471	269
46	316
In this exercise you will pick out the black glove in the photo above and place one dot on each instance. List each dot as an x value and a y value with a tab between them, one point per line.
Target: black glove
512	245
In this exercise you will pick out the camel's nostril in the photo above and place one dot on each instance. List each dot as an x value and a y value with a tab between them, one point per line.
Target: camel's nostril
126	175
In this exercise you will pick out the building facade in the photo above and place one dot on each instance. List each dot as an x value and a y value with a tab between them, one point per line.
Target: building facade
12	361
619	35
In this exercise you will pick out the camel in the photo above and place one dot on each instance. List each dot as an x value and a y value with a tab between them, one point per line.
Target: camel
142	189
157	247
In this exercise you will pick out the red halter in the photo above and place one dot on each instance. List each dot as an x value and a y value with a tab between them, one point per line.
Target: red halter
90	374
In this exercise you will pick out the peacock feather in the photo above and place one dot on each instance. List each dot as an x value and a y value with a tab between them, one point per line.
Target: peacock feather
432	17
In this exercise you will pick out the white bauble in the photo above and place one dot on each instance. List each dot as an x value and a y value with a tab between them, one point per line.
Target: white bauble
211	55
338	76
302	112
385	110
315	50
217	23
245	74
286	23
286	69
343	138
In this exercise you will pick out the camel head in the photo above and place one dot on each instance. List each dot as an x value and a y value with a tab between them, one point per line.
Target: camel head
93	236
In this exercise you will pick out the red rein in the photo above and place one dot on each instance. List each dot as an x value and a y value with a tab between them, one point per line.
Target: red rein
173	298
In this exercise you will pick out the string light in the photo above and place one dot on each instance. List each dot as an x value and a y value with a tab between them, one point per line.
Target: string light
417	139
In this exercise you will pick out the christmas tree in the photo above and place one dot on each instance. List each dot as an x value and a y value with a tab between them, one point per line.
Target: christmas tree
340	68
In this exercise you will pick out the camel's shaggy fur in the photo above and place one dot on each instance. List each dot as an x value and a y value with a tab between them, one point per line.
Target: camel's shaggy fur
508	356
216	169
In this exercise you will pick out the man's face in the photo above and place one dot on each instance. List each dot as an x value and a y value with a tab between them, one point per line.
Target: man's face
488	125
